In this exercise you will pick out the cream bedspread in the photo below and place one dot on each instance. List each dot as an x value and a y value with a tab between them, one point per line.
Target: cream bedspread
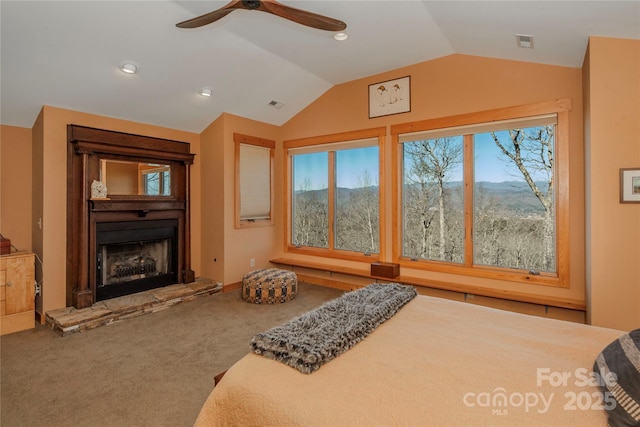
435	363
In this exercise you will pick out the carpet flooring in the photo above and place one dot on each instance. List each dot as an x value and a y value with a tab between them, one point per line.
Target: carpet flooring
154	370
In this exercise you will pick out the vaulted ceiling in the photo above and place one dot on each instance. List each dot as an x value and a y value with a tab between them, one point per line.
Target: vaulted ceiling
68	53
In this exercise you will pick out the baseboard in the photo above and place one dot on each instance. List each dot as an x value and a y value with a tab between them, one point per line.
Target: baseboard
232	286
540	310
327	283
17	322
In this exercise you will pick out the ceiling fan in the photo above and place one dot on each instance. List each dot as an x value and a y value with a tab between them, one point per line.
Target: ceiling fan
300	16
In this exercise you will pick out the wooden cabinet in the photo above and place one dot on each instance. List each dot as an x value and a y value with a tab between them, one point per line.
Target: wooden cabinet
17	292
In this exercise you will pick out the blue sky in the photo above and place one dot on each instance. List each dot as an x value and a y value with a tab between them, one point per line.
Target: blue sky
491	165
312	166
351	164
487	166
350	167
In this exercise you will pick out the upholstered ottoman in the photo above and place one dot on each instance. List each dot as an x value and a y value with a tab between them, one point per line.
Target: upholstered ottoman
269	286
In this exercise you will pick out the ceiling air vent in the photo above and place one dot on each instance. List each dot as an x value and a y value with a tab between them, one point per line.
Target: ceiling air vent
524	41
276	104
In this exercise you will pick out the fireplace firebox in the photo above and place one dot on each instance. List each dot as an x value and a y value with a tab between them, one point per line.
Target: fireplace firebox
135	256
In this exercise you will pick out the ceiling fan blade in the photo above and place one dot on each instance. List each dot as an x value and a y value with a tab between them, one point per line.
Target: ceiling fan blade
210	17
300	16
303	17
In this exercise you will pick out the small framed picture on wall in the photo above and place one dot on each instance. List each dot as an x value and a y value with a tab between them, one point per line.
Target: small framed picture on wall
390	97
630	185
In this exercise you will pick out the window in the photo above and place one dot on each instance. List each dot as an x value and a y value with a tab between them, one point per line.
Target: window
432	198
310	200
481	197
156	179
334	194
514	197
254	181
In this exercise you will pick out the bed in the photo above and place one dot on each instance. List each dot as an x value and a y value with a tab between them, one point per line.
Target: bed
435	362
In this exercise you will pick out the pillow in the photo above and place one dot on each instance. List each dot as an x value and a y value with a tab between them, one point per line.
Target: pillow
618	370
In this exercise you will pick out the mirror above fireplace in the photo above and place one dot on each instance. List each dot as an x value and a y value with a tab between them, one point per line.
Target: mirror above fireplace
127	178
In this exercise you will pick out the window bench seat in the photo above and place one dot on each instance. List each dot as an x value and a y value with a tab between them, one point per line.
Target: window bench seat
466	291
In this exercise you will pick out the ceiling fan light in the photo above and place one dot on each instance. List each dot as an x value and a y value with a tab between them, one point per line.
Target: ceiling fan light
129	68
341	36
206	91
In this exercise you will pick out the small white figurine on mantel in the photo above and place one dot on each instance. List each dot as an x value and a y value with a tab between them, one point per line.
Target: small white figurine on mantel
98	190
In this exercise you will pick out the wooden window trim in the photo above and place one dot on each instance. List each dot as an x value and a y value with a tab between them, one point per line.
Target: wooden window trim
380	134
561	107
239	139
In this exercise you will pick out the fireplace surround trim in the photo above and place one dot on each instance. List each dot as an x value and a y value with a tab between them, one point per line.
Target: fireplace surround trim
86	147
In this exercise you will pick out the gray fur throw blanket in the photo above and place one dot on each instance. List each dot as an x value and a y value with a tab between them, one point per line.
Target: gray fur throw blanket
320	335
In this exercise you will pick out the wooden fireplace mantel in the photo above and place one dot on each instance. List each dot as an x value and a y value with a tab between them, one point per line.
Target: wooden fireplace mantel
86	148
134	205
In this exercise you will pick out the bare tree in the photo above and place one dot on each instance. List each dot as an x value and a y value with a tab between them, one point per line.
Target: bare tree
310	212
419	216
431	162
368	205
531	150
357	216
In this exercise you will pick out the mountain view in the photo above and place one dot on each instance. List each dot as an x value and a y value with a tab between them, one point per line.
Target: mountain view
509	219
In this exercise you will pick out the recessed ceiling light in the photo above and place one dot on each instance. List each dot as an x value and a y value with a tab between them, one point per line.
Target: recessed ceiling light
129	68
341	36
206	91
524	41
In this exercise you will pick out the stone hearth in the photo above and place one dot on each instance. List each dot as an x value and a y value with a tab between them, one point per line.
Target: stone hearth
70	320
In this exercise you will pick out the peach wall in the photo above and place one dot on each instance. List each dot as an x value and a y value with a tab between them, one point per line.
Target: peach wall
121	178
51	143
612	119
222	241
37	198
213	207
459	84
451	85
15	185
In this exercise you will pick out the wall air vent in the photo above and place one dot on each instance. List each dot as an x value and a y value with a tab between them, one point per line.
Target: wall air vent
524	41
